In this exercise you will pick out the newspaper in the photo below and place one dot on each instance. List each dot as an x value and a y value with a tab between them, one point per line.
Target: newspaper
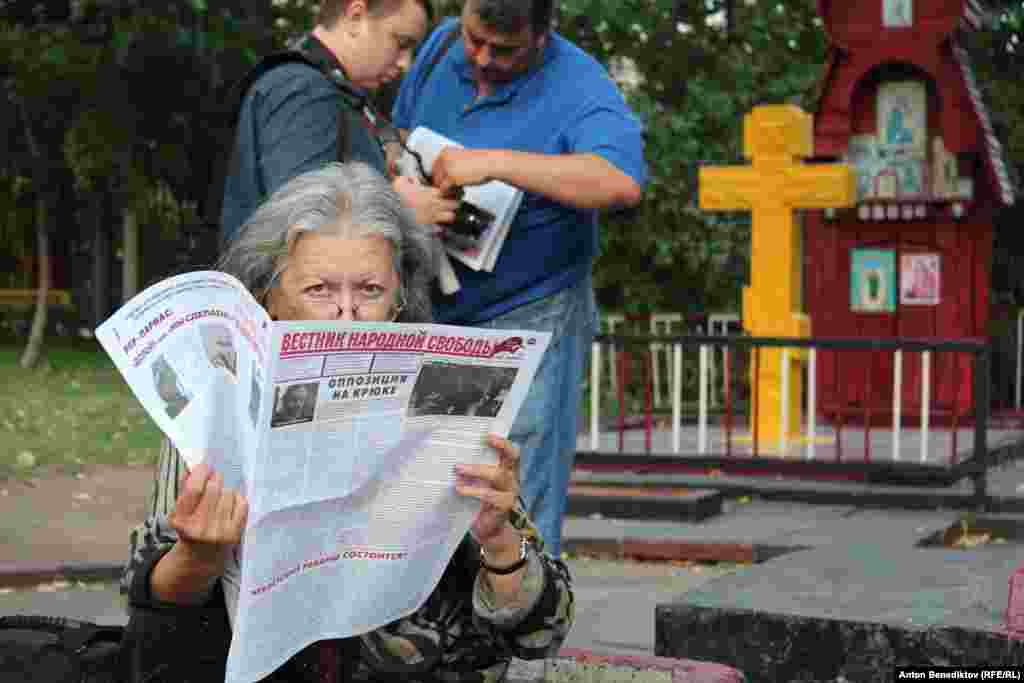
343	437
499	198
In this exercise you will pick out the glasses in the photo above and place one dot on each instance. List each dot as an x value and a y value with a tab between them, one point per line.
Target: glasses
372	307
368	302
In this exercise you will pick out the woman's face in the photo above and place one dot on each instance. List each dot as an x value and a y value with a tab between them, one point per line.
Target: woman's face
337	278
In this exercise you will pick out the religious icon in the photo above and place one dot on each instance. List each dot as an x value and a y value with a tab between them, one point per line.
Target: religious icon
919	279
898	13
872	280
903	118
862	154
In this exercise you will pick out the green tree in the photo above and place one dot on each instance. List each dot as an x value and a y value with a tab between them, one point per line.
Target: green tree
699	67
88	96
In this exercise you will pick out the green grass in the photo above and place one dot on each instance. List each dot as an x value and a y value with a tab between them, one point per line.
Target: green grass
73	411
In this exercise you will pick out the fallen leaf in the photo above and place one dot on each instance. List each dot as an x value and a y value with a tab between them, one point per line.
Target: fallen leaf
969	540
52	587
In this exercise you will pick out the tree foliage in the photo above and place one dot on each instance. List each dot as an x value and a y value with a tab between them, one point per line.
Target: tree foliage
121	97
700	66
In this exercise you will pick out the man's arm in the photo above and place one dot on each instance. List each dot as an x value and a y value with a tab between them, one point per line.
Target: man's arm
583	181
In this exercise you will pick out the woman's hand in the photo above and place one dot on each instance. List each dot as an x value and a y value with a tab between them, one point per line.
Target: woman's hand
497	488
209	519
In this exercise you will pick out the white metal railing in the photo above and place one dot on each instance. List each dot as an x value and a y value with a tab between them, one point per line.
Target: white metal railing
677	395
662	325
926	399
705	380
1020	338
595	394
675	389
612	321
784	397
812	401
897	403
702	399
718	325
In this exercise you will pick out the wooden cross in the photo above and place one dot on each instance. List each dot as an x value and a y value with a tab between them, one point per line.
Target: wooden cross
776	138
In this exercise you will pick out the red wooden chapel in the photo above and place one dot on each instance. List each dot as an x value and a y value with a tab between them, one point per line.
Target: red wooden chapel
899	102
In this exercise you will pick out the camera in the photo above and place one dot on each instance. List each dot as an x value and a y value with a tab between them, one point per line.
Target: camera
470	220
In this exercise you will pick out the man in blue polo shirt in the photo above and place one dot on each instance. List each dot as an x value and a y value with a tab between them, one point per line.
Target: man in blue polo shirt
534	111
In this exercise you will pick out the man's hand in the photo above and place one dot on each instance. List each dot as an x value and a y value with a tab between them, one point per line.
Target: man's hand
455	168
428	203
209	519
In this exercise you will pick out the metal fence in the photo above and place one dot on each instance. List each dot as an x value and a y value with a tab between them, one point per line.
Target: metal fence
938	440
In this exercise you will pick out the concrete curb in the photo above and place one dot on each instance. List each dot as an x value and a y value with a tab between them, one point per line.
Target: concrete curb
572	665
780	646
629	501
809	492
668	549
23	574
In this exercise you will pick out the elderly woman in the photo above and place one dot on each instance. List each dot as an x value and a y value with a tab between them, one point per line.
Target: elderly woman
336	244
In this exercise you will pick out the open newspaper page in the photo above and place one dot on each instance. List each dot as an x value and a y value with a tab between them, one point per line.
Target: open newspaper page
501	199
193	349
353	511
344	438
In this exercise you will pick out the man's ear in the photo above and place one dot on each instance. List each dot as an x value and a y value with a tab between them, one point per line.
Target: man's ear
542	42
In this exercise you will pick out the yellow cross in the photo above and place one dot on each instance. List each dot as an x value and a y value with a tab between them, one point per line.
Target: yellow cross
776	138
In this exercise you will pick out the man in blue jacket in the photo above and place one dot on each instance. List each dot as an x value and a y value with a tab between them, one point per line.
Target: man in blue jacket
535	111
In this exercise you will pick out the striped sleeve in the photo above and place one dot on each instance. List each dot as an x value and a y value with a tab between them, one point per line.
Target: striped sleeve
154	536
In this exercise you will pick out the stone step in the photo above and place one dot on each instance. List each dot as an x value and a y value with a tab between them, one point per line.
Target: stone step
578	666
674	503
849	612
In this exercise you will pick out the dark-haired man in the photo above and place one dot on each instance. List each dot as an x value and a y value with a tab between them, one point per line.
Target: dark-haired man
289	120
534	111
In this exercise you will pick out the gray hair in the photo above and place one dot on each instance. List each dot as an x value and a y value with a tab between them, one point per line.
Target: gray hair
510	16
350	200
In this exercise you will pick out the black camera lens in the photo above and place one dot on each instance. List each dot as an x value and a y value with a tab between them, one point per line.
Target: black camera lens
471	220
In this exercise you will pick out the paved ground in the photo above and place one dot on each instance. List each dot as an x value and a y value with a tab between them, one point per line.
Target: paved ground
71	519
58	523
83	522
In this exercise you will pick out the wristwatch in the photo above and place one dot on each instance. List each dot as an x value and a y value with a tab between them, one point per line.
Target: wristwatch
515	566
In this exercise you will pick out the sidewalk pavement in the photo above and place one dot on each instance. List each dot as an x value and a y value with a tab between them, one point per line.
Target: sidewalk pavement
64	539
71	528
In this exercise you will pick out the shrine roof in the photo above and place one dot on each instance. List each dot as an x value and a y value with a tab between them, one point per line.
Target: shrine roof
995	157
974	13
973	16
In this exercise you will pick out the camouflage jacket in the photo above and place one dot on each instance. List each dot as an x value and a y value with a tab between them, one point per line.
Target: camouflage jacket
458	635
